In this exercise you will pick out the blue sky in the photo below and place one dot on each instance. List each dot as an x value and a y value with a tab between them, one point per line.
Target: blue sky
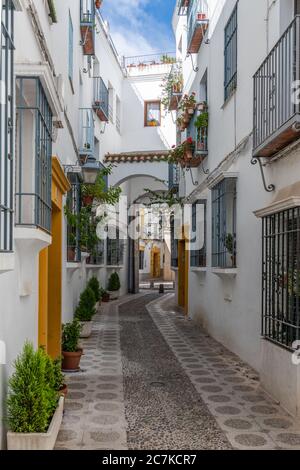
140	26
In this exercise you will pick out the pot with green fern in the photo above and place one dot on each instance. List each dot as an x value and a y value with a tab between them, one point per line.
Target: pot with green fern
114	286
230	247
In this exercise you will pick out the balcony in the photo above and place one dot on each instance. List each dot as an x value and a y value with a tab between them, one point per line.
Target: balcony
276	113
183	7
174	87
197	25
101	100
87	26
198	130
86	135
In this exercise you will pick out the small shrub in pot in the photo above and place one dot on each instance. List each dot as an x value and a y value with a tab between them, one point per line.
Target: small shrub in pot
70	350
95	286
114	286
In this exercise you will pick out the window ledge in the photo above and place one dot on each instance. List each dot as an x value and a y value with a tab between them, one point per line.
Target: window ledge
198	269
95	266
174	269
73	266
117	266
7	262
229	272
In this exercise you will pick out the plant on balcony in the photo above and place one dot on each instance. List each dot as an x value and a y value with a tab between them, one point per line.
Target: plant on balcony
201	121
188	104
95	286
70	350
173	83
230	247
183	152
114	286
85	224
166	59
32	402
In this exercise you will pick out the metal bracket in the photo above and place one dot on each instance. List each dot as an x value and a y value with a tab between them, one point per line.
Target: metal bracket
195	69
271	187
205	171
194	183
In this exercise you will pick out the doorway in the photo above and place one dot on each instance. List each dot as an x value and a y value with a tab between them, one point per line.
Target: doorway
183	275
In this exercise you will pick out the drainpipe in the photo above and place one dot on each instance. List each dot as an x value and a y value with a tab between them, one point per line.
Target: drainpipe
267	20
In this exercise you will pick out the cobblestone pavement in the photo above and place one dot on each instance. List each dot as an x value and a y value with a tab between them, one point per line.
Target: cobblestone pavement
249	418
151	379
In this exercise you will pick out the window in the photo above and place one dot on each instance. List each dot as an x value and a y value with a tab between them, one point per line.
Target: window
224	224
111	100
174	244
118	114
6	127
73	233
198	241
71	49
142	259
152	113
230	54
96	258
297	7
115	250
33	154
281	277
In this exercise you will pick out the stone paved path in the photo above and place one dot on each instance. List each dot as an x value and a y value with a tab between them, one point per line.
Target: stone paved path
171	387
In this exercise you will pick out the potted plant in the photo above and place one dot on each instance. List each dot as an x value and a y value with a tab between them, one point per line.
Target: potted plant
95	286
34	407
85	312
202	120
114	286
105	297
70	350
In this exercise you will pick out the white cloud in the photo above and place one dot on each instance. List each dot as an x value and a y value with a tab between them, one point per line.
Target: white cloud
134	31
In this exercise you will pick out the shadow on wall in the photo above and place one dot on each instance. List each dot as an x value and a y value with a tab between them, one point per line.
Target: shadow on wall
137	136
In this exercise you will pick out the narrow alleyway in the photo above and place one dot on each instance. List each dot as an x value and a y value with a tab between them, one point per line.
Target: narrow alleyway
151	379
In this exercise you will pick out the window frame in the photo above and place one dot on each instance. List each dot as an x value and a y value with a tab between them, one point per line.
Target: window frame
220	224
198	258
6	128
71	52
230	52
119	250
146	104
280	277
174	244
73	203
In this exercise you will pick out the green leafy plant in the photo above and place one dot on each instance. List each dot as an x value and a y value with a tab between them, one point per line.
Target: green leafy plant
166	59
178	152
70	336
173	83
86	307
229	243
201	121
59	377
114	282
98	190
95	286
86	223
187	102
32	398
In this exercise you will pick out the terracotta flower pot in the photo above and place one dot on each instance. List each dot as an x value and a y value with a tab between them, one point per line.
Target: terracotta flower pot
106	298
87	200
71	360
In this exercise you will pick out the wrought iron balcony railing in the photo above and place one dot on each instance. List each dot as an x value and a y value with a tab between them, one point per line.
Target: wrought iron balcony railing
276	106
96	258
197	24
182	6
199	136
87	140
101	99
87	26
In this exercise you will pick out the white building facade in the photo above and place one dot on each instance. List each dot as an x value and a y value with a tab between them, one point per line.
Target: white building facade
67	101
242	283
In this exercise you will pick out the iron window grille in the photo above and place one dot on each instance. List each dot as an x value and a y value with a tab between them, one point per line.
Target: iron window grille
6	126
97	256
174	244
33	155
198	256
281	277
86	132
73	233
230	54
141	259
71	49
115	250
224	224
174	177
101	99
